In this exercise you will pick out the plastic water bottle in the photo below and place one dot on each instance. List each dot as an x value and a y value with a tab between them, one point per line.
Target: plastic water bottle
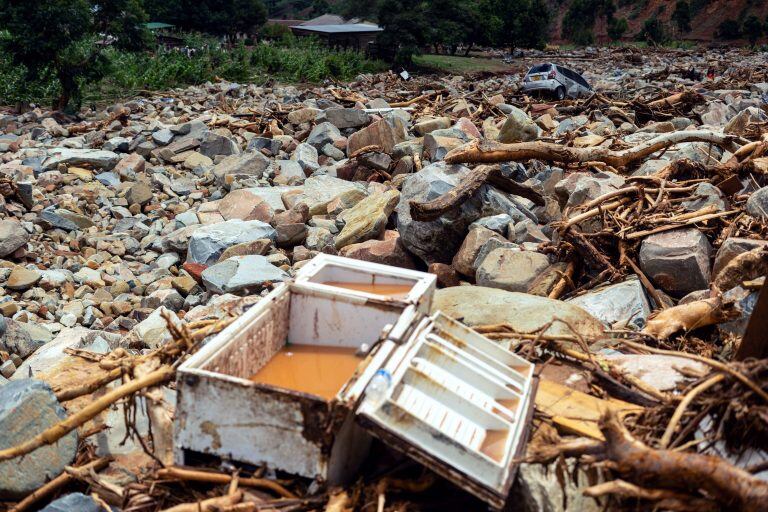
377	388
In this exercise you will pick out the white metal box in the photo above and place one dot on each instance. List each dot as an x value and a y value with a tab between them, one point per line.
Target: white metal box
452	390
368	279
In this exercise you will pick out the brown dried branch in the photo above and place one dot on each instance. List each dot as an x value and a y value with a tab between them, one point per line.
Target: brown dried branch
686	317
665	500
209	505
219	478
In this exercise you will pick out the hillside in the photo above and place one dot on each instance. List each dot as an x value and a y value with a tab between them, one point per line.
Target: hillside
707	15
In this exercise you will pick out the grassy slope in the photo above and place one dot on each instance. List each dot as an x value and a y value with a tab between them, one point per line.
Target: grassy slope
456	64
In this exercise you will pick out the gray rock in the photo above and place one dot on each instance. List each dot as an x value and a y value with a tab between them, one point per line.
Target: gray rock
318	239
518	127
580	187
118	144
706	195
744	302
322	134
306	155
240	273
27	408
347	117
477	305
94	157
12	237
757	204
618	305
677	261
163	137
74	502
555	487
251	163
16	338
731	248
214	144
318	191
511	269
498	223
438	240
746	120
259	143
65	219
208	242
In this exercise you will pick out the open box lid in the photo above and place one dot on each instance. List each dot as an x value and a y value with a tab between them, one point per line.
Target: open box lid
457	402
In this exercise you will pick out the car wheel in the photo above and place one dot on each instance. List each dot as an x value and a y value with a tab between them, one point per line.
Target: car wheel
560	93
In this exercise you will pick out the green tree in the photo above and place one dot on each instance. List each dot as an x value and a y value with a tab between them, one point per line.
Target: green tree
518	23
617	27
451	22
729	29
580	17
365	9
653	31
218	17
56	37
123	19
682	16
752	29
406	27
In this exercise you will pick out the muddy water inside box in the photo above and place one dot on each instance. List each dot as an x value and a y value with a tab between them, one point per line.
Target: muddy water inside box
398	291
311	369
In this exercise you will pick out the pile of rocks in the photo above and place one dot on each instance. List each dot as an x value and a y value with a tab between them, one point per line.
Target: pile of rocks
181	205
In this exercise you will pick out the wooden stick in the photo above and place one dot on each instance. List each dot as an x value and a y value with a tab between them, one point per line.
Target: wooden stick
683	405
665	499
88	387
594	212
178	473
209	505
701	218
57	483
62	428
487	152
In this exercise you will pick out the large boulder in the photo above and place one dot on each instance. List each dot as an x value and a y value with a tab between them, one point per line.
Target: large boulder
439	239
318	191
677	261
747	122
511	269
367	219
478	305
251	163
381	134
27	408
208	242
624	304
241	273
518	127
347	117
78	157
12	237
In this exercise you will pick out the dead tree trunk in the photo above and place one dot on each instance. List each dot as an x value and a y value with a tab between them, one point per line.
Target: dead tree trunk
485	151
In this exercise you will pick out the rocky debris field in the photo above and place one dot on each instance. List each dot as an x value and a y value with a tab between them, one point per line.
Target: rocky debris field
613	239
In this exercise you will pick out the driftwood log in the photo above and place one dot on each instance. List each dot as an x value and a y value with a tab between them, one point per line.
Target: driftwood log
732	487
485	151
431	210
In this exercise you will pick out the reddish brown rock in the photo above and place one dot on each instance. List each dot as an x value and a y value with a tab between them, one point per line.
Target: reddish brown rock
195	270
446	276
245	205
389	251
379	134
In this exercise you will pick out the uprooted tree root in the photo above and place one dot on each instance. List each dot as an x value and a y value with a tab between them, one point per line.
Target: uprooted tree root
711	477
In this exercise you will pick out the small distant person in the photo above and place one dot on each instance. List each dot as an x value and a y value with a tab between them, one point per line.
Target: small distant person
711	73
